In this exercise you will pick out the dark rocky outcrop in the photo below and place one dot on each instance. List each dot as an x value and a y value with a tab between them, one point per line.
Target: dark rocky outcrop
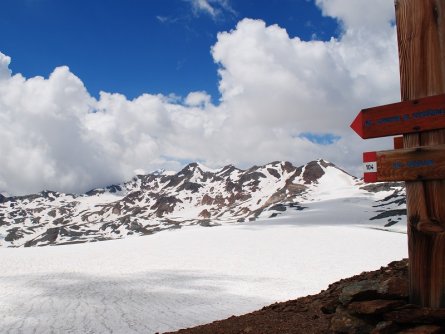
312	172
165	204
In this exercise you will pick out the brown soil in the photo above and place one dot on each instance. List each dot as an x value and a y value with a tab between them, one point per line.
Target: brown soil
372	302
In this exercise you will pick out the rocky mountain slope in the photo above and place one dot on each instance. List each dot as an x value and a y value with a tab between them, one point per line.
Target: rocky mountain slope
198	195
372	302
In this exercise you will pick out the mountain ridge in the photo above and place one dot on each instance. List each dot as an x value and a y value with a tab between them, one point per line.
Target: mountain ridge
157	201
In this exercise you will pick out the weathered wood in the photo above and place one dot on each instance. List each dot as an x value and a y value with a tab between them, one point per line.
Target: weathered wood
417	115
421	33
418	163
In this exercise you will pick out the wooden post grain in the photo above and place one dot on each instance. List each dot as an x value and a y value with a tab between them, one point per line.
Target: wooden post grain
421	41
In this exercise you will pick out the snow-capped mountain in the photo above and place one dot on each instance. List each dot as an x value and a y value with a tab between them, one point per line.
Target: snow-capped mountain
199	195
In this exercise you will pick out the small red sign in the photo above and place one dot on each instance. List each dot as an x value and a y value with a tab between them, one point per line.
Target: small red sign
370	166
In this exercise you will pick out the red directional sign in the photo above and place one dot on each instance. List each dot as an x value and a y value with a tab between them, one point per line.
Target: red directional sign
399	118
420	163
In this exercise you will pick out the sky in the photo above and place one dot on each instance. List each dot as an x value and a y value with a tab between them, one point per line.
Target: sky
94	92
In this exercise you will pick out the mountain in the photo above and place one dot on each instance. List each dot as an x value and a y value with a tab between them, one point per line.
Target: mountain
318	192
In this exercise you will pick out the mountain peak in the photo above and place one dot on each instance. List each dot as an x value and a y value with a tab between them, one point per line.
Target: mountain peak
314	170
158	172
198	165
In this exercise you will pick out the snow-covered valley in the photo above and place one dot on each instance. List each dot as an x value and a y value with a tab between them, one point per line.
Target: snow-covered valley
181	278
192	247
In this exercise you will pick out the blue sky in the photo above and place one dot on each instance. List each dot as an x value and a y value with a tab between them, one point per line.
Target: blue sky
138	46
93	92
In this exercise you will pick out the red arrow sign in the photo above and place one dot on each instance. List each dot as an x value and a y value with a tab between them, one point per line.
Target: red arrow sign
420	163
404	117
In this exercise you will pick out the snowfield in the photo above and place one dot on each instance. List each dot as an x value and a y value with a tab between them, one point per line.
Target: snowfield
181	278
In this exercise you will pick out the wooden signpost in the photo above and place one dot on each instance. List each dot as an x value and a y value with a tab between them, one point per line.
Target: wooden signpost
421	162
413	164
399	118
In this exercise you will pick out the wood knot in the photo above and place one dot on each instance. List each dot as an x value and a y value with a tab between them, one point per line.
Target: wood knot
428	227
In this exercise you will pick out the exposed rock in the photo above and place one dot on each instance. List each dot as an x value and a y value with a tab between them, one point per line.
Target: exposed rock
46	238
345	322
273	172
373	289
165	204
416	314
233	187
207	200
298	171
389	213
51	195
251	177
227	170
205	214
278	207
116	209
295	189
133	197
325	163
381	186
14	233
114	188
361	290
312	172
385	327
190	186
287	167
395	286
375	306
94	192
52	213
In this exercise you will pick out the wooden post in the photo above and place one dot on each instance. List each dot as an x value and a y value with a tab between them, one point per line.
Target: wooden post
421	41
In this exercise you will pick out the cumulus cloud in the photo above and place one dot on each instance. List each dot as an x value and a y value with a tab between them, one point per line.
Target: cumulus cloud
359	14
281	97
283	87
44	142
195	99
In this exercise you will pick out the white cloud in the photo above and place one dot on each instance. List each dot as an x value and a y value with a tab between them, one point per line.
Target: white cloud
5	73
196	99
359	13
44	141
214	8
271	81
203	6
274	88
